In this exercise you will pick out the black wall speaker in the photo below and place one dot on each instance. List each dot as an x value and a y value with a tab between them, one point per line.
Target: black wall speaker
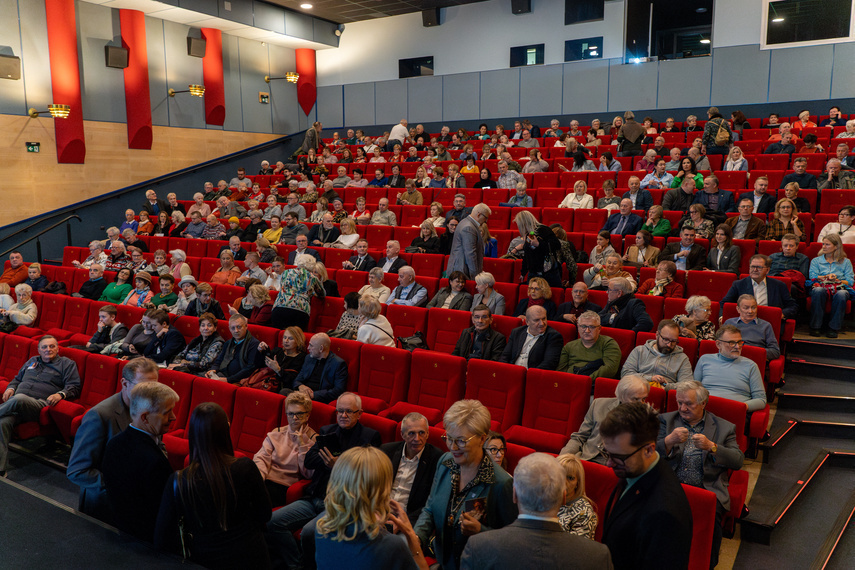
196	47
10	67
521	6
116	57
430	18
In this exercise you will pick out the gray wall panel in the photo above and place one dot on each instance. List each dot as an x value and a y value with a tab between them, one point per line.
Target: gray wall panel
102	87
182	70
740	74
236	12
424	96
390	101
299	26
684	82
330	108
283	95
11	92
586	87
232	84
268	17
157	72
843	80
253	67
500	93
793	71
540	90
324	32
35	57
359	104
204	6
632	86
461	96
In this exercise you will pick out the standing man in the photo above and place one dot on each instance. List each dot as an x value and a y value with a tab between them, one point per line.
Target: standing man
398	135
42	381
647	521
135	466
102	423
467	247
311	140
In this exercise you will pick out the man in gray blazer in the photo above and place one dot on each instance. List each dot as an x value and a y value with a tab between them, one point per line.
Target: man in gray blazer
701	448
535	540
585	443
107	419
467	248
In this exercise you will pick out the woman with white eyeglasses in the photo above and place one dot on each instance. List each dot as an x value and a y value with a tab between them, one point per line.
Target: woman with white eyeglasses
470	493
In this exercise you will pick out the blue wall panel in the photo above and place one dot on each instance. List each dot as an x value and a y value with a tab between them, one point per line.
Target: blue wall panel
586	87
204	6
11	92
500	93
740	75
540	90
424	96
684	82
461	96
182	70
797	73
330	107
283	95
299	26
102	87
236	11
390	101
632	86
359	104
253	67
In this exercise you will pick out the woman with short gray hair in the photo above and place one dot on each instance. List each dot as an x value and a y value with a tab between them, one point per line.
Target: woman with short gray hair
374	328
484	283
375	285
696	322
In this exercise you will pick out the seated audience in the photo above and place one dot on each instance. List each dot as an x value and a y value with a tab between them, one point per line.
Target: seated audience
831	277
197	357
697	219
726	374
187	285
786	221
664	284
656	224
592	354
767	292
724	256
286	361
569	311
427	240
696	322
96	255
166	342
686	254
624	223
624	310
408	292
487	295
539	295
454	296
844	227
755	331
642	254
660	360
375	285
350	319
577	515
534	345
374	328
480	340
239	358
598	276
579	198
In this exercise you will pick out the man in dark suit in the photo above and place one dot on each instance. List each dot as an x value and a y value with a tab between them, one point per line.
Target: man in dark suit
347	432
235	247
711	194
95	285
763	202
467	246
626	223
768	292
746	225
414	464
135	466
686	254
623	310
302	248
239	358
700	447
361	261
154	205
480	340
647	520
535	540
101	423
392	263
324	375
535	345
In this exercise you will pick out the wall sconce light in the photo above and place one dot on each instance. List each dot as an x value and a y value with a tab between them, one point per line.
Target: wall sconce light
194	90
56	111
290	77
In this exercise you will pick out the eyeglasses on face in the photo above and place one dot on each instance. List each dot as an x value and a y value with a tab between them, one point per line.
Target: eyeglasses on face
458	442
733	343
346	412
296	415
492	450
587	327
618	457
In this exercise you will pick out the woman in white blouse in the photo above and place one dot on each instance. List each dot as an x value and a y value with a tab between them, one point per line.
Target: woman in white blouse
348	237
842	227
579	199
374	327
375	285
736	161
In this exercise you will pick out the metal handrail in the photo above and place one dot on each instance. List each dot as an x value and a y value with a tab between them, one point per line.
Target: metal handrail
44	231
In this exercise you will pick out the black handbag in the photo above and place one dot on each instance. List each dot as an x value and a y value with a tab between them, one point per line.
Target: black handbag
413	342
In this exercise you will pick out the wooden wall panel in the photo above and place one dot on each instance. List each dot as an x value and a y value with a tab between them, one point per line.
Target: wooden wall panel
37	184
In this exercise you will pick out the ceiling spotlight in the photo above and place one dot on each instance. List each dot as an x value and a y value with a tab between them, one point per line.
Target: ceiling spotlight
306	6
705	41
56	111
339	30
778	19
592	48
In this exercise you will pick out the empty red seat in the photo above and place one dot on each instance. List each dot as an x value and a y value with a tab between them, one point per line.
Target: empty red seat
256	413
388	429
406	321
428	264
625	338
349	351
100	381
589	221
500	388
444	326
555	405
384	377
326	313
710	284
436	382
771	161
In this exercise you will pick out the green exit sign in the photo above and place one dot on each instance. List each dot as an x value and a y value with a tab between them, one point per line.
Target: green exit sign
33	146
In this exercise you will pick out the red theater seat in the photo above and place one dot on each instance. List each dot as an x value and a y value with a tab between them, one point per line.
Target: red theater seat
348	350
500	388
100	381
384	377
256	413
388	429
406	321
436	382
444	326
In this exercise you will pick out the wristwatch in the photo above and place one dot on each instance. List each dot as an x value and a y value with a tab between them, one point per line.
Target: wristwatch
714	448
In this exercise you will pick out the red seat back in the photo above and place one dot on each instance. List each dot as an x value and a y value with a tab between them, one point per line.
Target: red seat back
444	326
555	402
436	379
256	413
624	338
77	314
350	281
102	379
499	387
407	320
182	383
384	373
387	428
703	504
348	350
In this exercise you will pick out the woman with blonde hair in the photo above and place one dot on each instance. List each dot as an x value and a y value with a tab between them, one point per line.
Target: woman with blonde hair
539	293
348	237
321	208
436	218
427	240
786	221
374	328
358	505
579	198
577	515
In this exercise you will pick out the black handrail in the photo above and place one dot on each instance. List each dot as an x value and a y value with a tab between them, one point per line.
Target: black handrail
44	231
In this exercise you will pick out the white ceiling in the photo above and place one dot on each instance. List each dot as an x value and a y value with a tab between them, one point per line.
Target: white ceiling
197	20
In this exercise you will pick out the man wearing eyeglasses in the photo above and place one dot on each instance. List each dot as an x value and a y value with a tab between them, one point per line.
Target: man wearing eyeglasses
647	520
591	354
414	464
348	433
755	332
660	360
767	292
623	310
586	442
324	375
729	375
700	447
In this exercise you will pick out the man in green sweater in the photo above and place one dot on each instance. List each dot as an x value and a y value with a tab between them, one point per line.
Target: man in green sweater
591	354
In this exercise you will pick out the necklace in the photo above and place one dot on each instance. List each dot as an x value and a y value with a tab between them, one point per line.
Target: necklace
842	231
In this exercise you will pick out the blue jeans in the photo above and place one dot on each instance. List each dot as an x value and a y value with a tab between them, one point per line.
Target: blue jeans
818	298
285	522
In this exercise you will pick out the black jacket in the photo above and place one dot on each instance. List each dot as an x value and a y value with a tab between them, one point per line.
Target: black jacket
396	265
424	475
694	262
365	265
358	436
631	314
93	289
544	354
492	347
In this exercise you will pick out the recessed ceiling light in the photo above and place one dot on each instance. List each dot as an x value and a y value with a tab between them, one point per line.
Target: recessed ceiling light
592	48
779	19
306	6
705	41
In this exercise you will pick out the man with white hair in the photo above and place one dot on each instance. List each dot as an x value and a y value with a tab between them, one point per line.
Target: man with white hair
383	216
398	135
408	292
535	540
467	247
96	255
392	263
154	205
834	178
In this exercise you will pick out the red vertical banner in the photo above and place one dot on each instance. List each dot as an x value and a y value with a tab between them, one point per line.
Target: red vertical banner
137	96
212	73
65	80
307	91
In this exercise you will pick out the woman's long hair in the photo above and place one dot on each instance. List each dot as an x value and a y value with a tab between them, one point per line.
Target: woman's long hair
358	495
211	456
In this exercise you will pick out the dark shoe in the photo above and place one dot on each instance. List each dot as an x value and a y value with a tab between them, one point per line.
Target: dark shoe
3	474
831	334
815	332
